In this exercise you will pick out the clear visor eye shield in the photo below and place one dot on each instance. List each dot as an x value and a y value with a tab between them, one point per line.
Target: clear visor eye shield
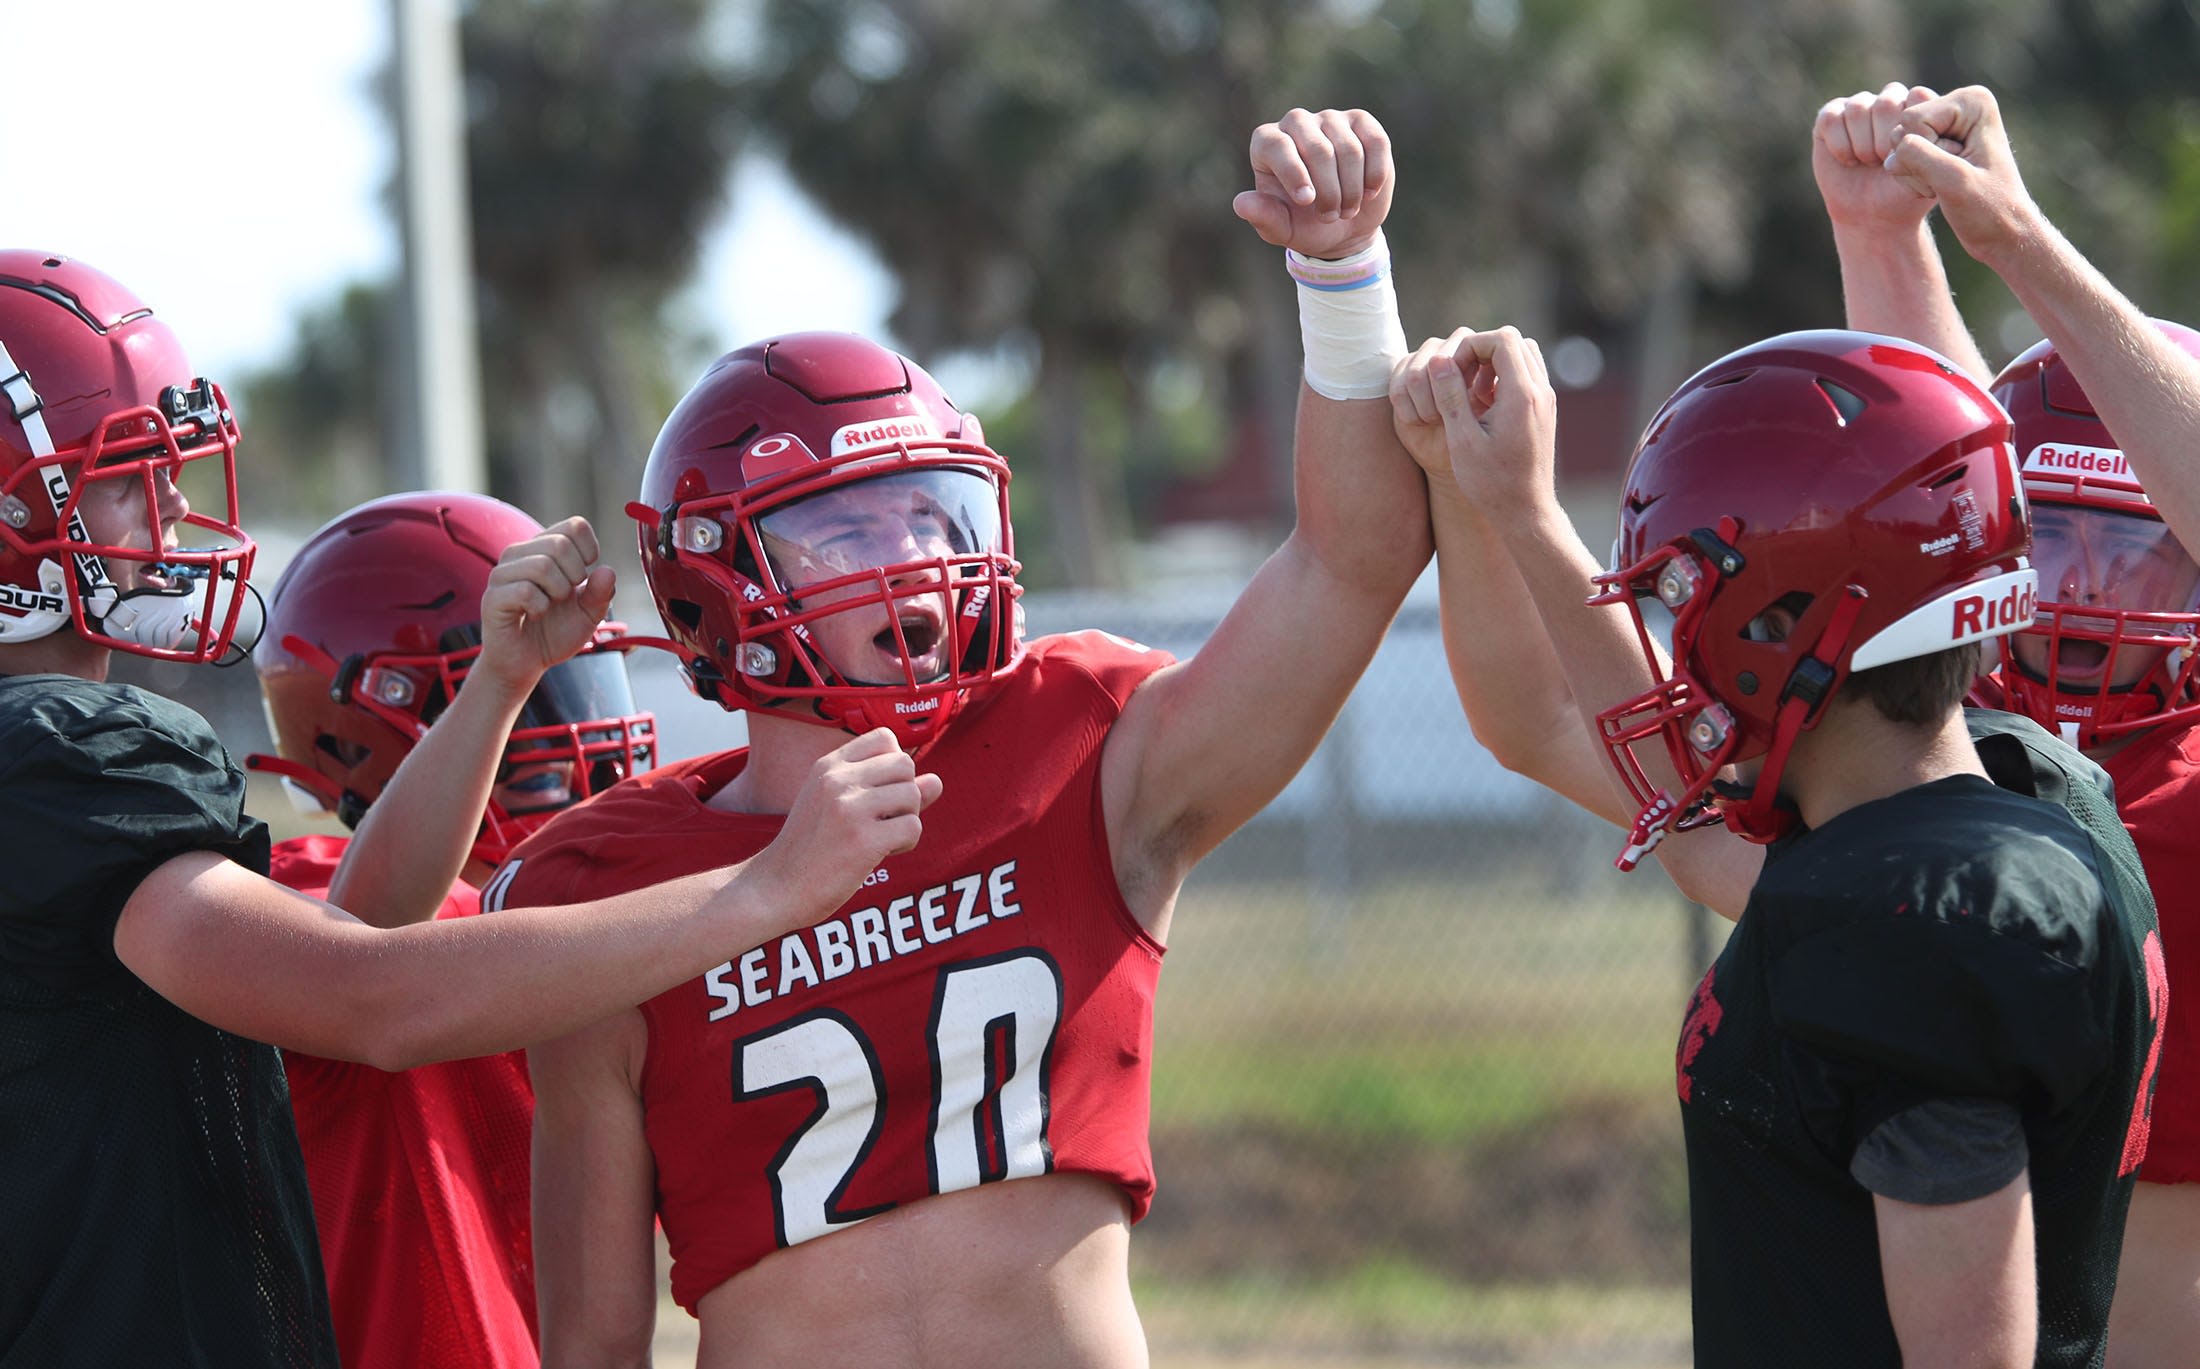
872	574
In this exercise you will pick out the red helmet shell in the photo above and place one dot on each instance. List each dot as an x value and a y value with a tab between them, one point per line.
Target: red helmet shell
93	387
371	630
787	420
1862	482
2072	464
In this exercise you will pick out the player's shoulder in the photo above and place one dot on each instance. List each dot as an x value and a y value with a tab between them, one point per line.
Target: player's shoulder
637	802
72	749
1956	855
2022	756
1117	664
67	723
2163	759
560	857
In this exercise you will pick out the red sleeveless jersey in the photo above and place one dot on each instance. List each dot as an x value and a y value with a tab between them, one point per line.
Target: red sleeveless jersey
419	1186
2158	795
981	1010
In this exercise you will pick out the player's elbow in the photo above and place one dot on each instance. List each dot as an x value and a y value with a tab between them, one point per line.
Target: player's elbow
395	1056
422	1034
389	1023
1365	576
1513	748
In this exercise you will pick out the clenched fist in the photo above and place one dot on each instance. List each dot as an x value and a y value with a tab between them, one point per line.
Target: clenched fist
859	805
545	597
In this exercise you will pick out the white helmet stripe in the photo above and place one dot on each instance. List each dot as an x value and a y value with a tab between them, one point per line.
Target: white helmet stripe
99	591
29	409
1972	612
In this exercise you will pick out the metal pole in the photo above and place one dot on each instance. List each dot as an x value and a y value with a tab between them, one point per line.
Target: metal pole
443	391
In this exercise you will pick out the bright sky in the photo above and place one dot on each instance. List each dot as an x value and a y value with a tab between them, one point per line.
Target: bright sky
225	160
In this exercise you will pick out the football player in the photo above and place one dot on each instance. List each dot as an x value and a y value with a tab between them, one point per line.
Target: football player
2109	399
154	1201
917	1133
419	1177
1914	1083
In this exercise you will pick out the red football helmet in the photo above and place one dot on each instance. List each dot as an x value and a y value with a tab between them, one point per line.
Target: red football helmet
2113	648
821	525
1859	482
96	391
371	630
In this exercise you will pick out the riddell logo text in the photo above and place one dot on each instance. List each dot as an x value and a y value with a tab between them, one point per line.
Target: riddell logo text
1976	614
878	433
920	706
2078	460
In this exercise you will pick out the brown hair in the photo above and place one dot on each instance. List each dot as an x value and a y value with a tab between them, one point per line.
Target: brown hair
1921	689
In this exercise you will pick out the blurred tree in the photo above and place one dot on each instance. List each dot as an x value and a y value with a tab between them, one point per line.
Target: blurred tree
1073	164
2105	116
1057	175
2099	104
1572	167
600	133
600	136
1051	179
316	425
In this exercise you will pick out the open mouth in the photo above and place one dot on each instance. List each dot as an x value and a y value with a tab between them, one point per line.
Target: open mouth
922	628
921	632
167	577
2076	656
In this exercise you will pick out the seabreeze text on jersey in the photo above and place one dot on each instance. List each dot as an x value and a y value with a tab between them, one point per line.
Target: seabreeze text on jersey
858	940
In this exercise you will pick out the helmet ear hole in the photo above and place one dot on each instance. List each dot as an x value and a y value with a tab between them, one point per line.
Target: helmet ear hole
349	754
1776	620
687	612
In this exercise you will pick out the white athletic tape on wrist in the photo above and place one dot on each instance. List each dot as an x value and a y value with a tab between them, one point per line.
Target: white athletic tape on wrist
1348	321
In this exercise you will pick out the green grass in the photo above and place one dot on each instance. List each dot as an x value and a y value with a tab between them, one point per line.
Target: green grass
1391	1307
1427	1012
1432	1091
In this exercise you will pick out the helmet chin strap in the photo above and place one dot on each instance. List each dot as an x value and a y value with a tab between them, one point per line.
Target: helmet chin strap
915	729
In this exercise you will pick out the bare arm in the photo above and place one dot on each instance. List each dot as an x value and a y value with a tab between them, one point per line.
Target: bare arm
251	957
1892	278
545	597
2145	388
594	1178
1960	1280
1204	744
1489	396
1510	680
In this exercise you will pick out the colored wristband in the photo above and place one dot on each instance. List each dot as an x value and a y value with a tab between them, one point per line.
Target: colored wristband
1348	321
